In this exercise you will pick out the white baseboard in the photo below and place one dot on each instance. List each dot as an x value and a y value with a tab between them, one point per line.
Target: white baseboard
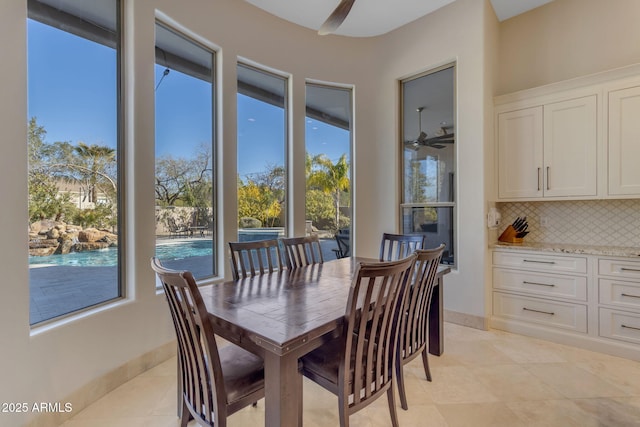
587	342
463	319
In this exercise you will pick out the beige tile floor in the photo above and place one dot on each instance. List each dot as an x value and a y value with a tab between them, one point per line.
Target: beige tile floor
483	379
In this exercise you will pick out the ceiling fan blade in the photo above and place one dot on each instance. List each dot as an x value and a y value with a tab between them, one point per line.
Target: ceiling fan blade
336	18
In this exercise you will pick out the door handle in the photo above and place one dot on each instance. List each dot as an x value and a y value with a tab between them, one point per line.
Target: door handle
548	185
538	179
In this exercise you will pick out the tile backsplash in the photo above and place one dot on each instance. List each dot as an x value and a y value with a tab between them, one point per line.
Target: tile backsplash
588	222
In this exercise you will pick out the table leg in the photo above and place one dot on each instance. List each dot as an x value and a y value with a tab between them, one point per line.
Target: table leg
283	390
436	321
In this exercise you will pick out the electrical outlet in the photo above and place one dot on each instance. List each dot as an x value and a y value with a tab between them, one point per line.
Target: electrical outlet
544	221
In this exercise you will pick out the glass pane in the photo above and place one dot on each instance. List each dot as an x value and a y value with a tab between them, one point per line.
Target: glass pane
73	159
429	140
328	167
185	227
429	159
262	142
435	223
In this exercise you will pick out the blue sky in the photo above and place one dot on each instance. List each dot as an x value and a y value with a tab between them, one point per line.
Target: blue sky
72	93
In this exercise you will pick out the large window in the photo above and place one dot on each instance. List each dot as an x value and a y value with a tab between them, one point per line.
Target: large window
429	159
328	166
74	156
185	187
262	148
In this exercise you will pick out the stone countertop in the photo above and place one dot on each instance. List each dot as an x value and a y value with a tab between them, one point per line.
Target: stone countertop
618	251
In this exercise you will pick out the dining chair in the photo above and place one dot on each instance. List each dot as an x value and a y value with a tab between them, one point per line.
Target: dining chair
358	366
414	332
254	258
344	245
398	246
215	382
301	251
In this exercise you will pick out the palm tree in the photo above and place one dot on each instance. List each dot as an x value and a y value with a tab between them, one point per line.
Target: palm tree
95	159
332	178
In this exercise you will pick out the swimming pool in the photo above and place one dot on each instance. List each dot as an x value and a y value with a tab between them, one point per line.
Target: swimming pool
170	250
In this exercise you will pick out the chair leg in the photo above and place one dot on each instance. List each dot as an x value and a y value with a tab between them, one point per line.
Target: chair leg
425	363
401	390
343	412
392	406
186	415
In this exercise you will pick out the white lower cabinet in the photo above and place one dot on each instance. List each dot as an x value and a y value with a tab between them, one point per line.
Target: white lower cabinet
585	300
620	325
619	299
554	314
541	289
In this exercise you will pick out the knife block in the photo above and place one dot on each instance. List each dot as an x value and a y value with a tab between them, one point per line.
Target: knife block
509	235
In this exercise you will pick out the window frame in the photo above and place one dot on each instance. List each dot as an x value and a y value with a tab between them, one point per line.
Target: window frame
177	63
76	25
452	203
244	89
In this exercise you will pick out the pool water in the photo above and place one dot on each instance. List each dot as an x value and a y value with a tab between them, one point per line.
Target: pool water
172	250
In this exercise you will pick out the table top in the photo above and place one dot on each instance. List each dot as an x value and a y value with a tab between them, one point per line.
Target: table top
282	311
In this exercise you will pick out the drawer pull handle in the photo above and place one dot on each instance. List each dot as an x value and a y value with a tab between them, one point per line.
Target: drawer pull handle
630	269
540	284
629	295
539	311
630	327
541	262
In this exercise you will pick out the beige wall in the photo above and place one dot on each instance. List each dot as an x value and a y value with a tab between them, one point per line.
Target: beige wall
566	39
455	33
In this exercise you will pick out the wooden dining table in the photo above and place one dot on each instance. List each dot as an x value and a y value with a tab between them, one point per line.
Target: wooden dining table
285	315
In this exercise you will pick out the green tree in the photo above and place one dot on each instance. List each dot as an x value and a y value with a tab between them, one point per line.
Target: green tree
319	208
332	178
185	181
92	165
258	201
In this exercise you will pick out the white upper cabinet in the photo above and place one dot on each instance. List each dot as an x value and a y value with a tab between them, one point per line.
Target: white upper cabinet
520	146
548	150
570	148
624	142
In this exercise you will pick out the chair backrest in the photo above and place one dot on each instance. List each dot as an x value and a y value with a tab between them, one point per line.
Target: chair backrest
201	374
344	245
369	329
301	251
398	246
414	334
253	258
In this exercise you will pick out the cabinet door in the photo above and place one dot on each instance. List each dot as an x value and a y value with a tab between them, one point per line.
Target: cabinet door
520	153
624	141
570	148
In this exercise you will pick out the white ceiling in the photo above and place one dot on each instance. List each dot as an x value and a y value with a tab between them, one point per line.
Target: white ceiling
374	17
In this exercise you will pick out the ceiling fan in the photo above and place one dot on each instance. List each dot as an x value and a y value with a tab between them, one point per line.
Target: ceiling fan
336	18
443	136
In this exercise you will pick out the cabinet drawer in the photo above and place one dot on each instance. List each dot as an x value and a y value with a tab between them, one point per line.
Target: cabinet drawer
540	262
534	310
622	268
620	325
620	293
543	284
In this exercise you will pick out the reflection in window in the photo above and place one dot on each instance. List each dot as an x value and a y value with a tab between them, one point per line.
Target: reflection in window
184	185
429	159
262	143
73	139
